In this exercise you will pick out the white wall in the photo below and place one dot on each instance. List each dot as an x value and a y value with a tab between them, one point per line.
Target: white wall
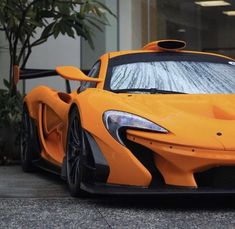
66	51
62	51
55	52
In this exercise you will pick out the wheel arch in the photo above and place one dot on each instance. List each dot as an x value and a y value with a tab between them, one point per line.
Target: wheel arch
34	137
73	106
96	167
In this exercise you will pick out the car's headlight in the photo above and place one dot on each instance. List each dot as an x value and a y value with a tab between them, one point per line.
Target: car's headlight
115	120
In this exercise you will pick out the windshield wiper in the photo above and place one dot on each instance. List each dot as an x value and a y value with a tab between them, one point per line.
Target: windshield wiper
150	90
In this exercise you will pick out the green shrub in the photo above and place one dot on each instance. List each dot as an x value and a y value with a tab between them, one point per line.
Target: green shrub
10	124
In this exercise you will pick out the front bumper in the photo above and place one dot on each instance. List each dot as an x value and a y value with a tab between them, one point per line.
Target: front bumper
96	182
178	163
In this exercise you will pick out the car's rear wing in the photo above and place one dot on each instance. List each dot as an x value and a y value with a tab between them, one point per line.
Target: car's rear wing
26	74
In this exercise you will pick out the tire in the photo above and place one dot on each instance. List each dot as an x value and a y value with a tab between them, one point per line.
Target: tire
74	154
26	142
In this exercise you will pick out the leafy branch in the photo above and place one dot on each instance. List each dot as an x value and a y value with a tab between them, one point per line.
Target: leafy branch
29	23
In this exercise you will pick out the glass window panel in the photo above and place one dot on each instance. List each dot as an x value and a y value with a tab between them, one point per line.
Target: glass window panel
178	76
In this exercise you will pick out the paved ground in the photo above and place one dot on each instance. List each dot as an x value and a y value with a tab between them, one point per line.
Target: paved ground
41	200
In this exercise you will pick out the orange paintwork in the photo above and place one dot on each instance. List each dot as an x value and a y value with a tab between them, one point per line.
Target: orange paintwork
193	121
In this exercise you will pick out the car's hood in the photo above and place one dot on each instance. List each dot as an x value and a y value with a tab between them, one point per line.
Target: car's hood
196	120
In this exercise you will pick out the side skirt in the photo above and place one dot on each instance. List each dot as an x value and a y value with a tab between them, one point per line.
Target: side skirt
47	166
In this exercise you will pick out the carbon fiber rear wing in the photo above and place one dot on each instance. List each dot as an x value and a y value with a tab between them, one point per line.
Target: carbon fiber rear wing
26	74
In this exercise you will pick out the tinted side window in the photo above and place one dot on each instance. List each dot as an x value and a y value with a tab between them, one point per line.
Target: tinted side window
94	73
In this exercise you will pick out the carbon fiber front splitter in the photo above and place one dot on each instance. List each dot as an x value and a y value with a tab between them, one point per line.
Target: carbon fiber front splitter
165	190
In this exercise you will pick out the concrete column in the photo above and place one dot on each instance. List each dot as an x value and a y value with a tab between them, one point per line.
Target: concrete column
5	61
125	24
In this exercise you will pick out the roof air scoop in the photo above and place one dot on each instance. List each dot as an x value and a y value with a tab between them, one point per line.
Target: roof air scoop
166	45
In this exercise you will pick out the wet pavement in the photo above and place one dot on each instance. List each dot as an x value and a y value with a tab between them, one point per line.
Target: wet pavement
41	200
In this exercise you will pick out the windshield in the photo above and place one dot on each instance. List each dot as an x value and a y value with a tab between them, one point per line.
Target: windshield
192	77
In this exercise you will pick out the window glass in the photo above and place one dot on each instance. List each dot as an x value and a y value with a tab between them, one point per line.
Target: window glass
94	73
178	76
205	28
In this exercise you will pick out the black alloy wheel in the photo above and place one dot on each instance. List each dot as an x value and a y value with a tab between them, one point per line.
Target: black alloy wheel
74	156
26	142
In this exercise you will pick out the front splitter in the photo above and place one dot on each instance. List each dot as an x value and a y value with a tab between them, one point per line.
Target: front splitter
107	189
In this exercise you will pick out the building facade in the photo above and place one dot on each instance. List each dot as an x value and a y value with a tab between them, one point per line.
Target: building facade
204	25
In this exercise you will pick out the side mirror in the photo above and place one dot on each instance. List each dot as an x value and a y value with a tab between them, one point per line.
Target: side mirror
73	73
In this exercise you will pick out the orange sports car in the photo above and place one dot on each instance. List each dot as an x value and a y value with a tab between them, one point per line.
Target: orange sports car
156	120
